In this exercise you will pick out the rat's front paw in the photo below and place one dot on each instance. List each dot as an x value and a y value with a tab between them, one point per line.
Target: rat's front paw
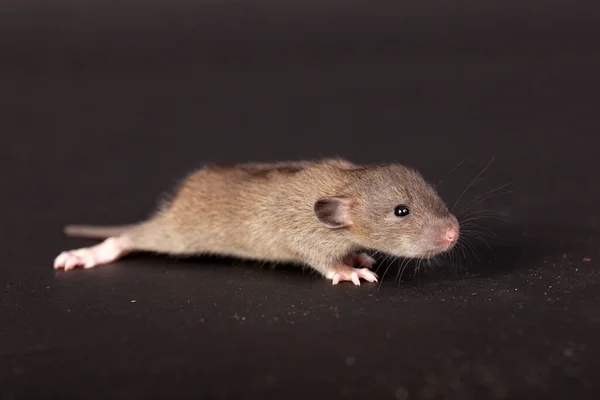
342	273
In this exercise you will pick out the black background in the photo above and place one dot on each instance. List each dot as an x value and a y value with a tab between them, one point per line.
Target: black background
104	105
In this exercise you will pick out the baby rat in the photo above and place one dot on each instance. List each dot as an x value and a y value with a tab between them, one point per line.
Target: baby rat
320	214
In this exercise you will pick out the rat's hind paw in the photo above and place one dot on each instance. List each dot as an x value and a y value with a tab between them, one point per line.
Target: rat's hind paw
76	258
88	257
343	273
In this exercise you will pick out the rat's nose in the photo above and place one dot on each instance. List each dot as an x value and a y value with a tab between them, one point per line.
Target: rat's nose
451	235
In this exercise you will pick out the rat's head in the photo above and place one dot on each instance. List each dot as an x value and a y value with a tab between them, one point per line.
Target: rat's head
393	209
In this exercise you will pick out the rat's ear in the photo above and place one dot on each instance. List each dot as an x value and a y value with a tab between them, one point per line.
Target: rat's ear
334	212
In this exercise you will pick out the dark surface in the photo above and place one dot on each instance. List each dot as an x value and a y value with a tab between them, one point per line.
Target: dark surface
104	107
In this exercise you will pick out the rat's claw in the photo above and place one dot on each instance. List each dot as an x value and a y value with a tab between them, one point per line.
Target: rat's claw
345	273
336	279
59	261
68	260
88	257
368	276
72	262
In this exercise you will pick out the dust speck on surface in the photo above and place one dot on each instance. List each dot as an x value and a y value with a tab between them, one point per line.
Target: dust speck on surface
587	259
350	361
238	317
568	352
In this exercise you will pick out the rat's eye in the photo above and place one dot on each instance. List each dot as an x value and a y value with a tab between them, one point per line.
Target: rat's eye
401	211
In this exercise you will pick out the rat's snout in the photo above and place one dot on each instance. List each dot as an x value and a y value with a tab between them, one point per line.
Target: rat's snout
451	235
443	235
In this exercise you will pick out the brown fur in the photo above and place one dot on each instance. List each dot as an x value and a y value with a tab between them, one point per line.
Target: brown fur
267	212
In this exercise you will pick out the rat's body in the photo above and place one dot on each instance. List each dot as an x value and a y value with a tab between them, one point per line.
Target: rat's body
319	214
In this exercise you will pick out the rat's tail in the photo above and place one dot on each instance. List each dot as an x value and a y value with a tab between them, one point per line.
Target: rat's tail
96	232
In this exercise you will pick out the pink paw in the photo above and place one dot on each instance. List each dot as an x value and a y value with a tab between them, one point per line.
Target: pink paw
354	275
75	258
88	257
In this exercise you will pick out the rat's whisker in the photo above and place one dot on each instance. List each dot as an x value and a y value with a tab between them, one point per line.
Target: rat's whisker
489	194
452	171
460	246
471	183
464	213
399	272
418	268
427	263
483	199
477	235
470	246
482	217
454	258
385	270
483	214
458	265
403	266
472	226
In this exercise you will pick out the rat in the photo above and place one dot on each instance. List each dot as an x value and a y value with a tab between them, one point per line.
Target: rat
325	214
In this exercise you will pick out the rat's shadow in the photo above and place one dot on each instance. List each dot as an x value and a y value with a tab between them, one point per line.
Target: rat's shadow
217	262
512	247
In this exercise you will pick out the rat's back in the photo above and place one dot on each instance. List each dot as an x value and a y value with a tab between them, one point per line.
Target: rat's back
242	210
